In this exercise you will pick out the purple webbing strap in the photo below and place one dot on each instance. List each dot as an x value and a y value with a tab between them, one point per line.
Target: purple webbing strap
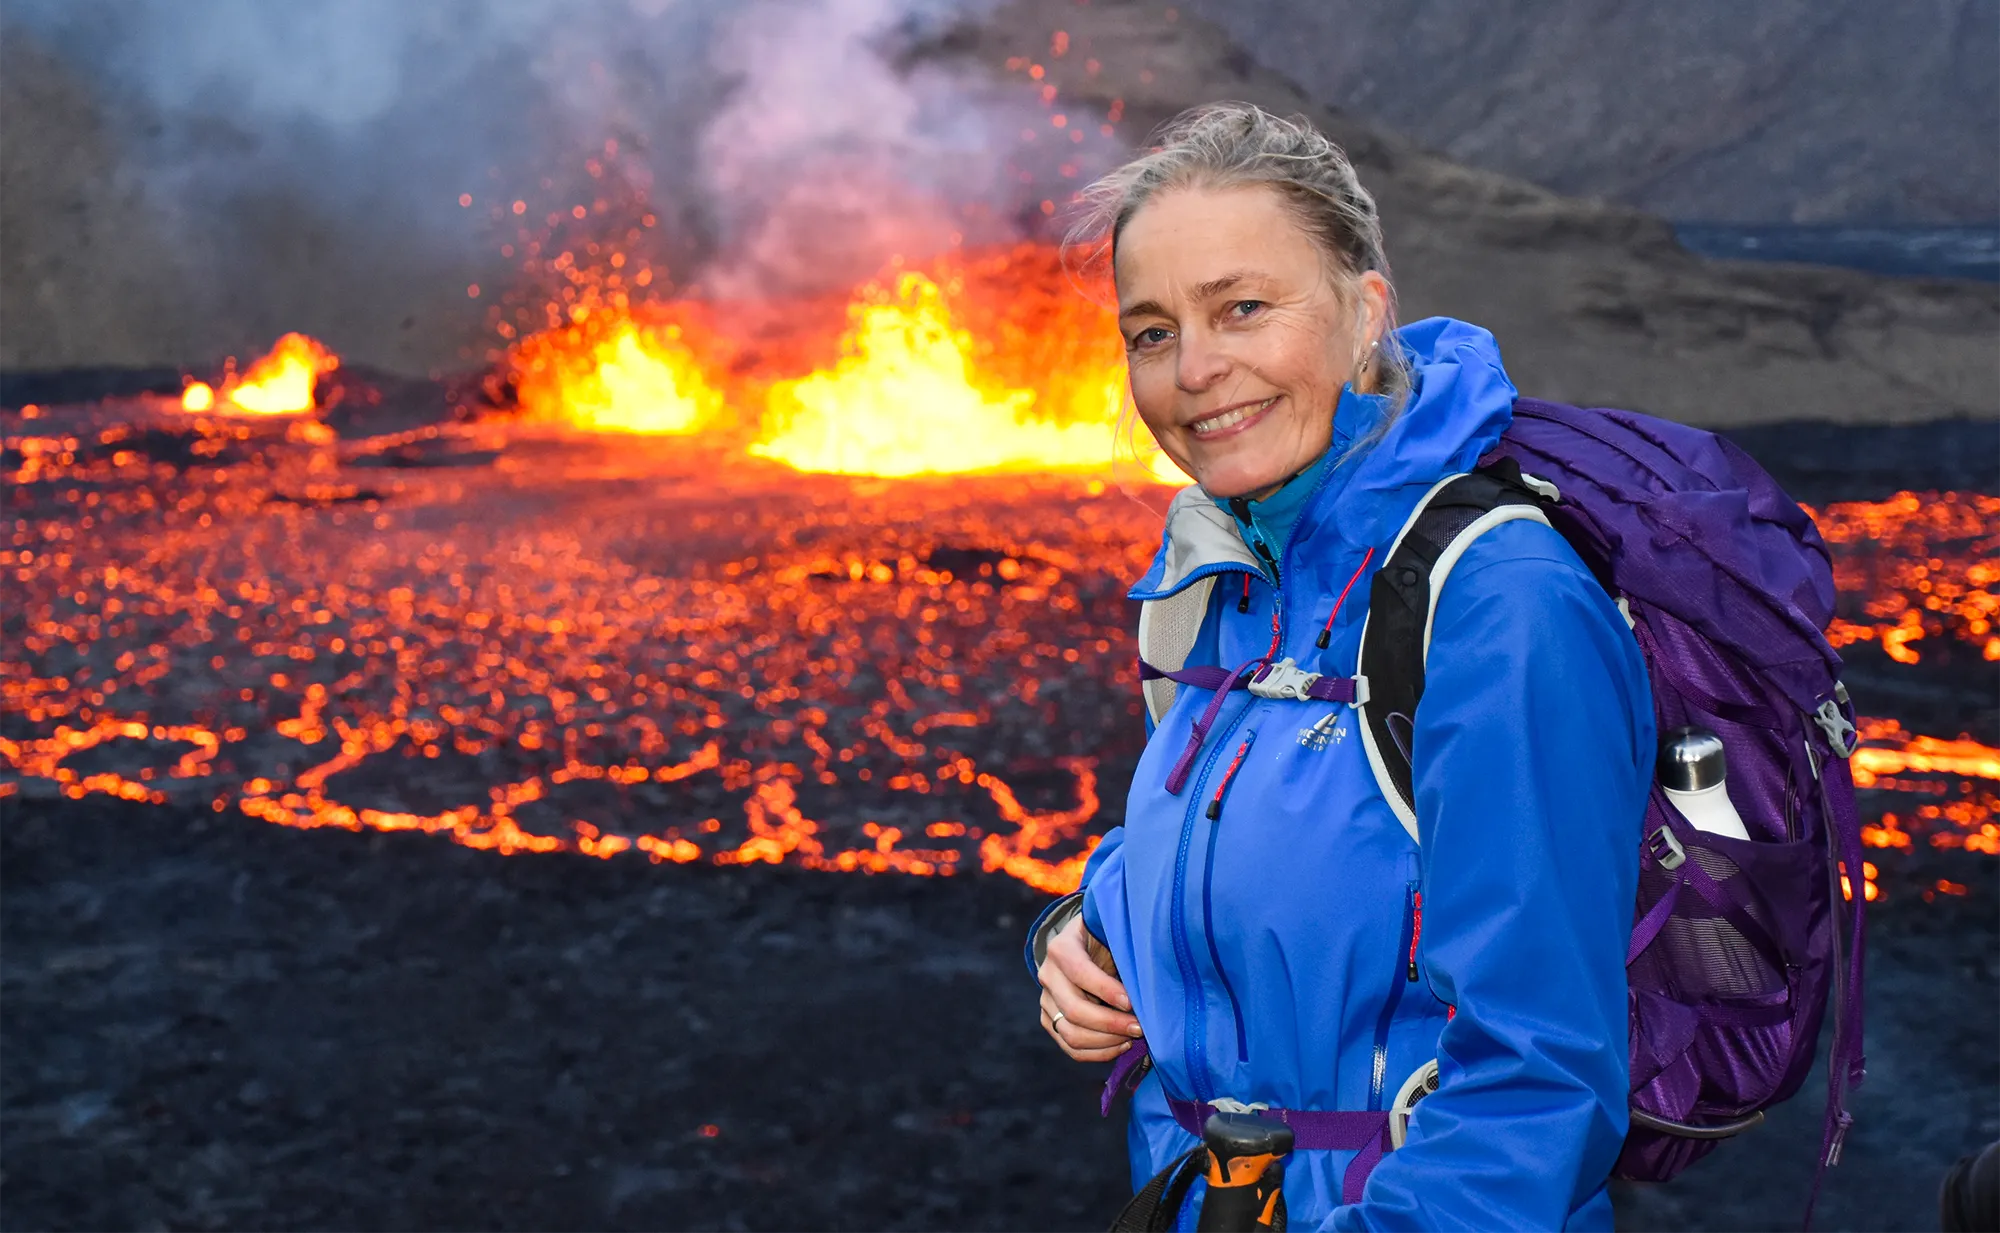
1203	677
1846	1064
1332	689
1649	926
1847	825
1125	1075
1184	765
1314	1130
1224	682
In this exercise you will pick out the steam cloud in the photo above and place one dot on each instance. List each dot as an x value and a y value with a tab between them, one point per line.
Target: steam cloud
782	145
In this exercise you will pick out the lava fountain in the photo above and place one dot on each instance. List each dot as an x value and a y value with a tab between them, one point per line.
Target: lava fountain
901	402
981	361
281	382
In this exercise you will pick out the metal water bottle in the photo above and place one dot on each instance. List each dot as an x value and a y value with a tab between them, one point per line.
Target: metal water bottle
1692	770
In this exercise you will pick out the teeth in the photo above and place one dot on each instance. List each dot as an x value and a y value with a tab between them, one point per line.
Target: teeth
1215	424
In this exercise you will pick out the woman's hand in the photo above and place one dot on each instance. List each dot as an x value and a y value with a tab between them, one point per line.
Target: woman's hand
1083	1002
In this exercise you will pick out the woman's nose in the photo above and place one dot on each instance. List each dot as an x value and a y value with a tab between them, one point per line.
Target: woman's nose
1198	364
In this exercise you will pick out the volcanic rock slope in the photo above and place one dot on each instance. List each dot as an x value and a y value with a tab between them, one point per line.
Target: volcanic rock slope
1592	302
1803	110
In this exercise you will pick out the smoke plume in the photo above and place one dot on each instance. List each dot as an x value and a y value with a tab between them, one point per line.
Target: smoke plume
305	164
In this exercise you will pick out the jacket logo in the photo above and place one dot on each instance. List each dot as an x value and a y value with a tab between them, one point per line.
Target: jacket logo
1328	731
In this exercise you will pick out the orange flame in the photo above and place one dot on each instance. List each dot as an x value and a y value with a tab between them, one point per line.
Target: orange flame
280	383
901	401
622	377
981	363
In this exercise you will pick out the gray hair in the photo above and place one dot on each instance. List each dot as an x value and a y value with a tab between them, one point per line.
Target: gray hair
1233	145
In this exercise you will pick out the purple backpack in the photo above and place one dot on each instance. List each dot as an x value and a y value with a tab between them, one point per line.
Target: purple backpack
1738	946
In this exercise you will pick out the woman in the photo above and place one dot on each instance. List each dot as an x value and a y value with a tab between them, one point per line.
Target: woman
1276	931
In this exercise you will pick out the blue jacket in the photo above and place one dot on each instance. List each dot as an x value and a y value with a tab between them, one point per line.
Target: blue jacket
1269	953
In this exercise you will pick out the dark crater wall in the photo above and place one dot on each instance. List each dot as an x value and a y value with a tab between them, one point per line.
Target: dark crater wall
1809	111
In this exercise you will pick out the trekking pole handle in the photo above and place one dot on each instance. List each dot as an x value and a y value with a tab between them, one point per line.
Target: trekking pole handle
1246	1173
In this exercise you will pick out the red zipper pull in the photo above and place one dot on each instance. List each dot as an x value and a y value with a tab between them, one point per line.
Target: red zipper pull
1326	635
1215	805
1416	930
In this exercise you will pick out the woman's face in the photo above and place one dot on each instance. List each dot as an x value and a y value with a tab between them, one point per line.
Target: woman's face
1235	337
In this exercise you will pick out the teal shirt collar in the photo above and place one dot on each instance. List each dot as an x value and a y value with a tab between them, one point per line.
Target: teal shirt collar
1266	525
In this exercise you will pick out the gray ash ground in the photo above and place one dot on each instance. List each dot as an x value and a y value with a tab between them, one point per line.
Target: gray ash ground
208	1021
218	1023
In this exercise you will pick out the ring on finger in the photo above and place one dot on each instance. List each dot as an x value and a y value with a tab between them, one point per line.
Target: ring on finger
1055	1021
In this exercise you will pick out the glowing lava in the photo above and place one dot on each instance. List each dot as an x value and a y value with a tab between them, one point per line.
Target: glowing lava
901	402
718	664
1891	751
280	383
537	661
612	374
981	362
1913	567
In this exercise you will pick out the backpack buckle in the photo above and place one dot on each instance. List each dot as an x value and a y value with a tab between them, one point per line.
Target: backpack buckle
1666	849
1229	1104
1840	733
1284	679
1541	488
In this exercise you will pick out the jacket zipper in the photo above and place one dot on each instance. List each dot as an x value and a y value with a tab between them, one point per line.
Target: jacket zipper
1196	1011
1411	903
1406	951
1207	903
1240	508
1278	613
1196	1016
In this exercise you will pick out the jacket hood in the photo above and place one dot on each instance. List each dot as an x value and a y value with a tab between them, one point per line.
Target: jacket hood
1460	401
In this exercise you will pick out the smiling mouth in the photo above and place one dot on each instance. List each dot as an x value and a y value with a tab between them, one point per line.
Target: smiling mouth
1224	420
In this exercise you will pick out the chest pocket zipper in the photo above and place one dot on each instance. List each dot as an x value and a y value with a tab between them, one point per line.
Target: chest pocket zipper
1406	953
1214	813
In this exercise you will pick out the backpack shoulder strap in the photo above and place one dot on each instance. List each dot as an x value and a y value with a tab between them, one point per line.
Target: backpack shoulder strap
1167	632
1402	604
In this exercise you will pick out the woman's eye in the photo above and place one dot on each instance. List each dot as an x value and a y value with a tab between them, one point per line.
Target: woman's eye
1151	337
1245	308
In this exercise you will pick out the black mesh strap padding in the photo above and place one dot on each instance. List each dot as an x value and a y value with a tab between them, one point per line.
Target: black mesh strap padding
1399	604
1157	1206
